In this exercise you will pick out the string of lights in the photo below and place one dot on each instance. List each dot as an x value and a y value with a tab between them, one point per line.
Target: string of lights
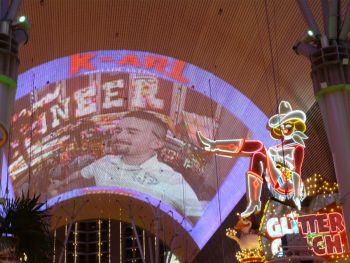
99	242
109	240
317	185
65	245
144	243
75	242
54	246
120	241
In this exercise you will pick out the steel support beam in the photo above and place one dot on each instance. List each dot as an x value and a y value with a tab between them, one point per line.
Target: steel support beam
12	11
138	240
65	242
333	19
325	12
307	14
346	25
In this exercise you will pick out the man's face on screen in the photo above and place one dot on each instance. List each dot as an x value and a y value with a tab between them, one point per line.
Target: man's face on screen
135	137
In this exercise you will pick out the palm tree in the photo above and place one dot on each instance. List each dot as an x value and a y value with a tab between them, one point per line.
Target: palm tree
24	230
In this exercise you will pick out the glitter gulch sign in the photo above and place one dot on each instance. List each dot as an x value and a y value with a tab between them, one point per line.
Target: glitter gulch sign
325	232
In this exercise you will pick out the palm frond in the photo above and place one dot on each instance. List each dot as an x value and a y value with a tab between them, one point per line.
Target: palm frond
26	219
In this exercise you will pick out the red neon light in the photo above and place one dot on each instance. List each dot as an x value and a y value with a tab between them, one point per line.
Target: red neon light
334	244
329	229
336	222
315	223
162	65
81	62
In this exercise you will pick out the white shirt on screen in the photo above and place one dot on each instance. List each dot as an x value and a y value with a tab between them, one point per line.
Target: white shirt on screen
153	177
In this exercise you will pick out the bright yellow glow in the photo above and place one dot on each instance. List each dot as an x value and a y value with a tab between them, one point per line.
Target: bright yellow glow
99	241
250	255
65	245
54	247
109	240
75	242
316	185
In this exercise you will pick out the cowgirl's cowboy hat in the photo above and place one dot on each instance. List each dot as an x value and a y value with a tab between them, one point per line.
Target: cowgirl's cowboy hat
285	113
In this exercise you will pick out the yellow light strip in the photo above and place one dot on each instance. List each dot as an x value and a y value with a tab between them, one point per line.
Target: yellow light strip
54	247
109	240
120	242
144	243
65	245
75	242
99	241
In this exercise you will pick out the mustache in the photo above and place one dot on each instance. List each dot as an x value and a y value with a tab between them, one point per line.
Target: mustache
122	142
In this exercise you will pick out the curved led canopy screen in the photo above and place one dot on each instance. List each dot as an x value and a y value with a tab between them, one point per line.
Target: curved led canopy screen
125	122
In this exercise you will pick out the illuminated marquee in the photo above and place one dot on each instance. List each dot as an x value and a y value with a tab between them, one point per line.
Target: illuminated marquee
324	232
329	230
278	227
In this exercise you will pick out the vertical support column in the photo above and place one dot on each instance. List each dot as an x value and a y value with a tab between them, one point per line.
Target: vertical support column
8	77
12	33
335	109
331	81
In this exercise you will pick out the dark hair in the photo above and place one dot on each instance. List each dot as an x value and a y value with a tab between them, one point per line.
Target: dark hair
160	127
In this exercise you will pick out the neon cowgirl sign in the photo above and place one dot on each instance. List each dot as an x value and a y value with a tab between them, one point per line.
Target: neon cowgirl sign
279	165
324	231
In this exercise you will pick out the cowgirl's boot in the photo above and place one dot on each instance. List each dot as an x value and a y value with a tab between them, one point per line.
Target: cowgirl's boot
254	186
222	147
